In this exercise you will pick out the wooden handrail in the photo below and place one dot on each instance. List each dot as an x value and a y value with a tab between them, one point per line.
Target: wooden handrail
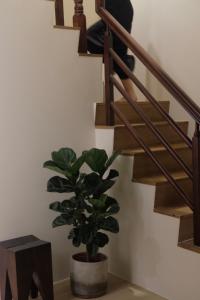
153	101
184	100
152	127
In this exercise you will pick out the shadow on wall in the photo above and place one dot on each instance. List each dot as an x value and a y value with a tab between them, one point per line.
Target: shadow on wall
152	84
133	239
161	94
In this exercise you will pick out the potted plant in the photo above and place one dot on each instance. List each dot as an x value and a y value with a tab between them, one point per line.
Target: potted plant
88	210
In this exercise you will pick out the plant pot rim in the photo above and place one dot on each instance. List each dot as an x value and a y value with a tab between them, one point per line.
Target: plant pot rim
82	258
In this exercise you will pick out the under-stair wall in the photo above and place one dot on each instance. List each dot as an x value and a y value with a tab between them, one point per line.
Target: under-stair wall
146	251
46	100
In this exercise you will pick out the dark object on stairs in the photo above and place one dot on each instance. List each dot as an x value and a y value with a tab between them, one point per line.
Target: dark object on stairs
95	45
25	269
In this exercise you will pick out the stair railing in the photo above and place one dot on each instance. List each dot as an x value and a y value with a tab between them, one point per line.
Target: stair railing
183	99
79	21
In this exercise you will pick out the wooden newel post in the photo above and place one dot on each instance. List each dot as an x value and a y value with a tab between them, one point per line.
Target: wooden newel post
79	21
59	12
109	90
196	185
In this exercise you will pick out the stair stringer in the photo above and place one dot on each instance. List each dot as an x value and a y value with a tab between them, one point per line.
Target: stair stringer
145	251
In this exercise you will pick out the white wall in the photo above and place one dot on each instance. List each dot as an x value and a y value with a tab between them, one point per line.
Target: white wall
46	100
169	31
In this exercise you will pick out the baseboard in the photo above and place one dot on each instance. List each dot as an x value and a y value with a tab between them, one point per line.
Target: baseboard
62	286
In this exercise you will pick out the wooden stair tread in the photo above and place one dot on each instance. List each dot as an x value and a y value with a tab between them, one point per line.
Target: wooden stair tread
132	124
126	103
157	148
189	245
159	179
66	27
131	115
161	123
90	55
176	211
158	123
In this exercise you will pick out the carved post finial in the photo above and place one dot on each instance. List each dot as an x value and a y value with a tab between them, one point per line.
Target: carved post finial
78	12
79	21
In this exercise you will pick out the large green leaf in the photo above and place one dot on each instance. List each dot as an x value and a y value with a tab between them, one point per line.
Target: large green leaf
59	185
75	168
64	219
110	224
76	237
113	174
57	206
96	159
81	218
64	158
101	239
71	203
103	186
91	183
51	165
99	203
112	206
92	180
71	234
114	209
111	159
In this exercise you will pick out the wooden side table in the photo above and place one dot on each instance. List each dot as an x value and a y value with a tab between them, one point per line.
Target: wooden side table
25	269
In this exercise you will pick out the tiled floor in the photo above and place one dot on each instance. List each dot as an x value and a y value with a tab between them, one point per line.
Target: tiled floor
118	290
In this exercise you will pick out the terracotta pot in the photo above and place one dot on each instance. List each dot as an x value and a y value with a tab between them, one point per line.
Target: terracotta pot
89	279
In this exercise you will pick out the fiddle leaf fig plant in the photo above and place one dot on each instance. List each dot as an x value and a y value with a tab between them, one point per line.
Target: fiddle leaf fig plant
88	209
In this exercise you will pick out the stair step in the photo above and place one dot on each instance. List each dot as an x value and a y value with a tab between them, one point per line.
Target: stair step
130	114
159	179
66	27
123	140
176	211
158	148
166	195
185	214
91	55
189	245
186	228
144	166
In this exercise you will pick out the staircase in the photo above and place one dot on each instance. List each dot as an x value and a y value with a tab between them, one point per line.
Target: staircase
155	215
167	200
